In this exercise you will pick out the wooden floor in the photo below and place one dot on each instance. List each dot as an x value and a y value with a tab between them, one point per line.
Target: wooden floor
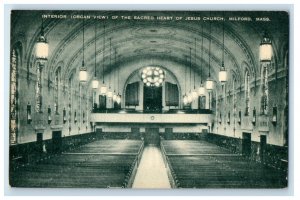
100	164
199	164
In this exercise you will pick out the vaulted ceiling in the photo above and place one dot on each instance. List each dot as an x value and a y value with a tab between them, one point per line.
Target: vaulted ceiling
134	39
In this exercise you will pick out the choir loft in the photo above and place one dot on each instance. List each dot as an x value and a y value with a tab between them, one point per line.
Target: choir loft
113	99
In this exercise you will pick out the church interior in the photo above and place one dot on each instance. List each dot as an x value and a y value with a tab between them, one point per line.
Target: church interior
149	99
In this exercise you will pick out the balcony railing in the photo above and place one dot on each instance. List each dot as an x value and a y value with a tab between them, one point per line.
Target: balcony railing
171	111
164	117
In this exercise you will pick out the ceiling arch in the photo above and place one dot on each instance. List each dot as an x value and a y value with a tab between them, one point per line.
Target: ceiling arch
160	44
134	39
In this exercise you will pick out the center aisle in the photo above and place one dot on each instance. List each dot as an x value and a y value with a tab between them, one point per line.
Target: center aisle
151	172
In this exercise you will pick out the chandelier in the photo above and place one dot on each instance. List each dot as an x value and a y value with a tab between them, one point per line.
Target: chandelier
42	46
153	76
201	89
209	81
103	88
83	72
95	82
265	49
222	72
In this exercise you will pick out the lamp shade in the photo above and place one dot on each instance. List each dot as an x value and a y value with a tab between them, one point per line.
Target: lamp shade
41	48
190	97
82	75
194	95
201	90
185	100
95	84
118	100
109	94
103	90
222	75
114	97
209	84
265	49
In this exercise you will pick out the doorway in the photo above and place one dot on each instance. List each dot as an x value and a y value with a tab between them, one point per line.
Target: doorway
263	146
246	144
152	137
56	142
202	102
153	99
39	142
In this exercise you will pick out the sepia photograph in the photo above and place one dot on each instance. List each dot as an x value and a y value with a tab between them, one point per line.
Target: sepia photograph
149	99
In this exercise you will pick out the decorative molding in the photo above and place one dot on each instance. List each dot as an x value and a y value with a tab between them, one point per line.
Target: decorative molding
263	123
56	127
39	128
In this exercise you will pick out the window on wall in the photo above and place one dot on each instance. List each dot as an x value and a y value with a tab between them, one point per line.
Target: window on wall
234	97
13	98
70	85
265	89
38	89
233	92
247	92
56	90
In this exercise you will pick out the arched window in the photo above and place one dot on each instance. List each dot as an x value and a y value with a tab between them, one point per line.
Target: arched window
265	89
247	92
13	98
234	97
56	89
38	89
70	97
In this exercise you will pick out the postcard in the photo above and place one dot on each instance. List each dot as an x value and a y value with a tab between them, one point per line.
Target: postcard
149	99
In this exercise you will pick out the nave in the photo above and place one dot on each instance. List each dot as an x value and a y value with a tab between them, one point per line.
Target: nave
128	163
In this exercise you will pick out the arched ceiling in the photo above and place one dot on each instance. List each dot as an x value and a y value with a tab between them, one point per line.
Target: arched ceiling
163	39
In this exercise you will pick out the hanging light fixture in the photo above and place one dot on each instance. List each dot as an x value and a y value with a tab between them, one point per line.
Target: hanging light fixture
118	99
42	46
83	71
194	92
209	81
185	99
49	115
194	95
95	82
223	72
189	96
114	97
201	89
115	94
103	88
109	92
209	84
265	49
